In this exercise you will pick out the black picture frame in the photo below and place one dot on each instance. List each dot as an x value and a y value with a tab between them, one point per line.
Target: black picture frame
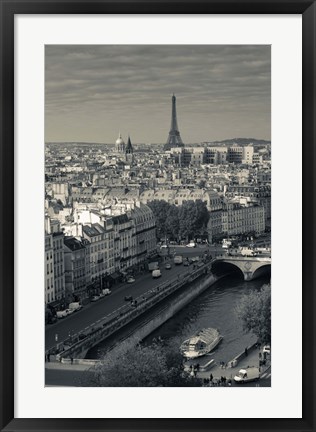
8	9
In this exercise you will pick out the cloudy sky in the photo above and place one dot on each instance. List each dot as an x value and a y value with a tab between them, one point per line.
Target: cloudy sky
93	92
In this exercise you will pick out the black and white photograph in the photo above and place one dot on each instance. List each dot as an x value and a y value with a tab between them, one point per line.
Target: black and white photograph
158	216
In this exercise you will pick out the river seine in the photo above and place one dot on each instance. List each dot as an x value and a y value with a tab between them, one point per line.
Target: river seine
215	307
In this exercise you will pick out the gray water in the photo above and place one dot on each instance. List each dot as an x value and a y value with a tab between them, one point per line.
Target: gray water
213	308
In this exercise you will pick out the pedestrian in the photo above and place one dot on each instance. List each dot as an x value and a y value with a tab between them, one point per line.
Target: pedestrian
260	356
246	352
48	357
71	360
211	377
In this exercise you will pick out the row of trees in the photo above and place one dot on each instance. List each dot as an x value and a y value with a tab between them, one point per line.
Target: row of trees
141	366
180	222
254	311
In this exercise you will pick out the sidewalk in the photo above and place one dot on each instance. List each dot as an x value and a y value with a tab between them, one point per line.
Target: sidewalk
251	359
77	365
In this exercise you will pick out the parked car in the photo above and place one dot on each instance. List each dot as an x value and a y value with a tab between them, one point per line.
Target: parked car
106	291
168	266
186	263
69	311
247	375
266	349
75	306
130	279
164	246
128	298
95	298
191	244
61	314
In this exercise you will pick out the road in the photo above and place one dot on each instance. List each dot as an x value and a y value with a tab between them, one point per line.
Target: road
91	314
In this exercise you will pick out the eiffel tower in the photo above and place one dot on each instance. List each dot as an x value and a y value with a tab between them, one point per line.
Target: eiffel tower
174	139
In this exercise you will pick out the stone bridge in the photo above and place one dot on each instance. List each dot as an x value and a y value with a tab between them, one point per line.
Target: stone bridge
250	266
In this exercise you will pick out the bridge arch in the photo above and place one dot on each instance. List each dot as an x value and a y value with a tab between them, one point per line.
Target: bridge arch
249	266
263	270
221	268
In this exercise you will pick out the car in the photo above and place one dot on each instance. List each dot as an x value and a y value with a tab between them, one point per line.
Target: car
164	246
106	291
266	349
156	273
168	266
95	298
69	311
191	244
61	314
130	279
128	298
186	263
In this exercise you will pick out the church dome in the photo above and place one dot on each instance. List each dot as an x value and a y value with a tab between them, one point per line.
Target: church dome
119	144
119	141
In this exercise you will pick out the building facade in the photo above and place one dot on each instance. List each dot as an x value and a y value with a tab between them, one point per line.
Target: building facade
49	269
144	231
59	269
75	269
101	250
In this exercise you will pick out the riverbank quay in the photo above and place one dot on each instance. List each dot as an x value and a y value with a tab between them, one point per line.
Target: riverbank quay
186	287
70	374
225	371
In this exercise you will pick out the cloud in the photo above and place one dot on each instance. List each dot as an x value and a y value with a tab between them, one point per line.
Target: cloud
136	83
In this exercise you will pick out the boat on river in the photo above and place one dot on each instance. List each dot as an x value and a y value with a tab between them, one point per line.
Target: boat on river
203	342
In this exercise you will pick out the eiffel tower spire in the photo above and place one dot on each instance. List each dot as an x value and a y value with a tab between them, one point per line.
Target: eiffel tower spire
174	138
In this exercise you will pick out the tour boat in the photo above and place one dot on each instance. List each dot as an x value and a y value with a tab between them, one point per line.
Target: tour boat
201	343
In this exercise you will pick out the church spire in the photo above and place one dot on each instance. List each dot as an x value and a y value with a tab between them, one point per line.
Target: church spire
129	157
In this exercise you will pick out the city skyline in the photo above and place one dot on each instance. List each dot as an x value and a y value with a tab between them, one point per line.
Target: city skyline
94	92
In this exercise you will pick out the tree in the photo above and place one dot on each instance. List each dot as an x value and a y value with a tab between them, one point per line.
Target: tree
202	215
254	310
193	216
160	209
142	366
172	222
183	221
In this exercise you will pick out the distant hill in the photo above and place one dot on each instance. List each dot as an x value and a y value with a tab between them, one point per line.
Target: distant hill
243	141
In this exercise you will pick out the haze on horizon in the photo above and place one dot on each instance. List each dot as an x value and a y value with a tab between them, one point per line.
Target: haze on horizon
94	91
